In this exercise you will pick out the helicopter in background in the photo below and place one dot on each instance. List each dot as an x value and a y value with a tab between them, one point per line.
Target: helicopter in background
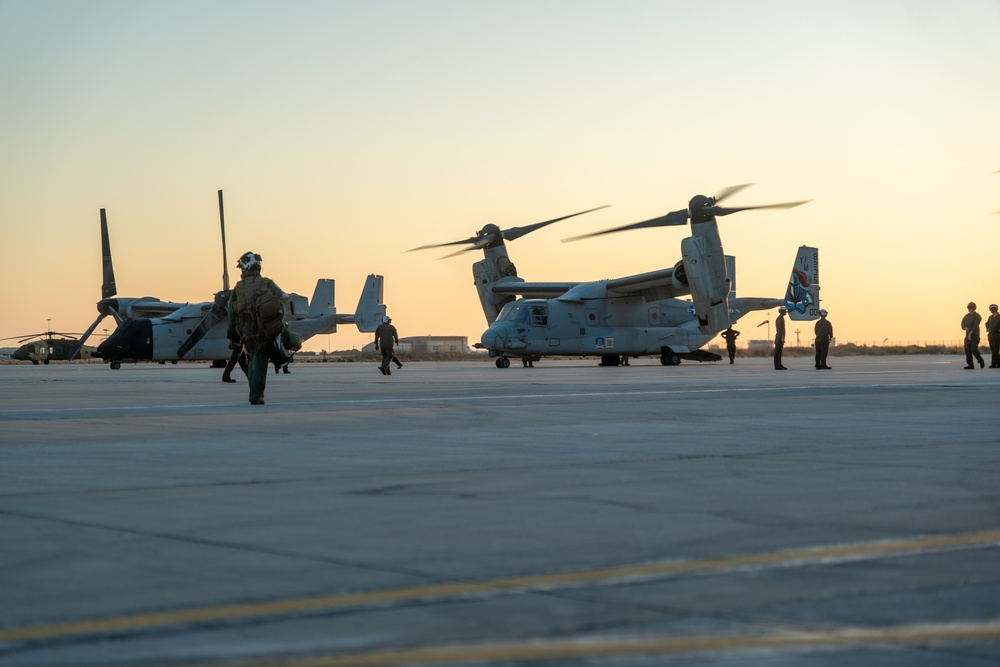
153	330
634	316
41	348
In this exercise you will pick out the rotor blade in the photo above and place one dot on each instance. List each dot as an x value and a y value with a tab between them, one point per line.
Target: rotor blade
472	239
671	219
518	232
718	210
83	339
726	193
108	288
225	264
459	252
210	320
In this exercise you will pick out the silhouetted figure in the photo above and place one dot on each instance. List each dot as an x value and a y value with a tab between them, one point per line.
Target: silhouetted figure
993	336
385	338
238	356
245	319
779	339
731	335
970	325
824	334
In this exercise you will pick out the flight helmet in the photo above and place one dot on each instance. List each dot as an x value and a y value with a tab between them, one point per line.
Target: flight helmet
386	319
822	311
247	260
782	309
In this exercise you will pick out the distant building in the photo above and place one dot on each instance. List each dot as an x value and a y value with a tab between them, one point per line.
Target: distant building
429	345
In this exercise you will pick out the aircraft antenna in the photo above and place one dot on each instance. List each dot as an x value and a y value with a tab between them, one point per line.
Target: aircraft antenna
225	262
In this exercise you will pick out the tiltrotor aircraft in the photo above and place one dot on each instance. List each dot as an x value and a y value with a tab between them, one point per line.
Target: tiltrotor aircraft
638	315
154	330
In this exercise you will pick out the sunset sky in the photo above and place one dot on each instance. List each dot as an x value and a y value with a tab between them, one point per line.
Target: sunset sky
346	133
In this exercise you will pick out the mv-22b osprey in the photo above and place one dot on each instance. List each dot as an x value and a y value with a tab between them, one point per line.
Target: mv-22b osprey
154	330
634	316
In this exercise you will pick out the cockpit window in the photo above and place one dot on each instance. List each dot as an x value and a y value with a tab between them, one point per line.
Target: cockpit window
539	314
514	312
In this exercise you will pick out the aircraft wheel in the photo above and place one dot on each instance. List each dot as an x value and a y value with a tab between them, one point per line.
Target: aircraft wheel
34	362
115	365
174	362
670	358
610	360
46	362
503	362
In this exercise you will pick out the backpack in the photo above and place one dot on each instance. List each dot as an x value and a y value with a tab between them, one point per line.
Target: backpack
260	316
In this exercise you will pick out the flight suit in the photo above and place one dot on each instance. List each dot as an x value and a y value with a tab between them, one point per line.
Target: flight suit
970	324
255	346
779	342
824	334
731	335
385	338
993	337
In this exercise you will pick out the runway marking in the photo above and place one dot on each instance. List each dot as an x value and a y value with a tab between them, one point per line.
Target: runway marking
826	555
580	648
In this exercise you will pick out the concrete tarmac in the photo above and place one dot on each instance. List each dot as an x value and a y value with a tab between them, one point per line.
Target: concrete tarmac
456	513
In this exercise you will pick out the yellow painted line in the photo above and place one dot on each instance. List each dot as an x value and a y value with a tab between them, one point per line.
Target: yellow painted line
988	631
834	553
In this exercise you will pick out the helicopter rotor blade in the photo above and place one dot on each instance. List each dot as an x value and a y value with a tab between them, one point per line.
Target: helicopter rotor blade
719	211
517	232
108	287
216	314
225	263
472	239
726	193
459	252
489	234
671	219
83	339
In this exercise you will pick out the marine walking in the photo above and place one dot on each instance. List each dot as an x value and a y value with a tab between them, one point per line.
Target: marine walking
256	316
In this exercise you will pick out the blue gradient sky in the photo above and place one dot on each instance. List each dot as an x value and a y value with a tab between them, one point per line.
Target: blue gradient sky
346	133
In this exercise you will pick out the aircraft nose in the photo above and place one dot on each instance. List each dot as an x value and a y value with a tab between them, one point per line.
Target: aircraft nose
501	336
491	338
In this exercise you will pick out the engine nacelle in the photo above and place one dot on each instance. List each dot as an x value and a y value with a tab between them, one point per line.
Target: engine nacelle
679	279
705	270
489	271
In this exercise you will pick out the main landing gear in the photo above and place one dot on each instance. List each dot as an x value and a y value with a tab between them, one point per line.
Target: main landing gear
503	362
669	358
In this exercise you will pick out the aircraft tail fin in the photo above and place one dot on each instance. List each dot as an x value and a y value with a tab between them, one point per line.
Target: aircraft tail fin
323	298
370	310
802	293
801	296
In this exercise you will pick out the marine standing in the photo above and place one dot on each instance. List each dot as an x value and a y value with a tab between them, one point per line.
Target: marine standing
779	339
385	338
731	335
993	336
970	325
245	320
824	334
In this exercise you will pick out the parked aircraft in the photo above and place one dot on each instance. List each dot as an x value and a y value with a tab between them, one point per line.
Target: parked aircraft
153	330
638	315
49	346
